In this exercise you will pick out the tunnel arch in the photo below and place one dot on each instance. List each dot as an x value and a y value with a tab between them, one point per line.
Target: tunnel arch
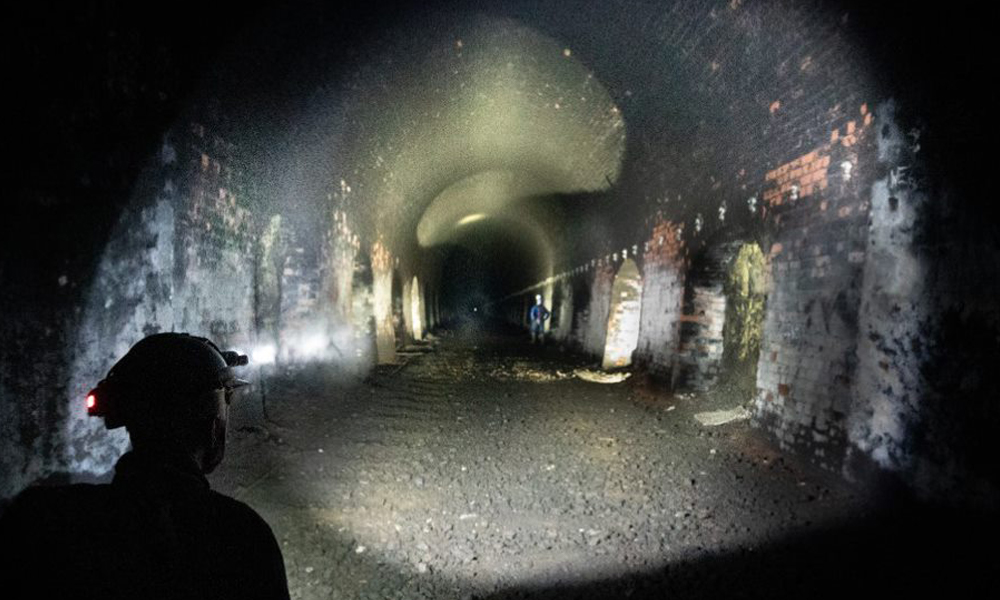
488	139
493	258
717	99
624	316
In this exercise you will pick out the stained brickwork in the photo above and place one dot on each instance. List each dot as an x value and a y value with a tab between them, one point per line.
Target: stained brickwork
382	303
808	358
563	328
213	245
593	326
663	268
699	353
920	404
180	259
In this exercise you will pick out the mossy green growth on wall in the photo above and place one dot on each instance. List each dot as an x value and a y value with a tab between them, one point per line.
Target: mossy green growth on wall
745	296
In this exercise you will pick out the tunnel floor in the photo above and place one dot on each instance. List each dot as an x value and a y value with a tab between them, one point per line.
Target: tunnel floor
483	469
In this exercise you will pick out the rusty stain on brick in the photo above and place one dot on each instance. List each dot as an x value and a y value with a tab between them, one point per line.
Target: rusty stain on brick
807	174
783	389
803	174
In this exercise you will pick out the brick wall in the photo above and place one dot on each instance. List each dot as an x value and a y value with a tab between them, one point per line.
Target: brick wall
382	303
189	255
563	309
663	269
179	259
699	354
593	323
213	266
808	355
921	405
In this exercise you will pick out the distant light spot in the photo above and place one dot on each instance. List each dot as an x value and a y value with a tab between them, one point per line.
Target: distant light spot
471	219
567	52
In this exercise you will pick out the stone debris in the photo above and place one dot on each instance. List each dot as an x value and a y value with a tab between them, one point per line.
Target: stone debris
721	417
521	371
460	477
601	376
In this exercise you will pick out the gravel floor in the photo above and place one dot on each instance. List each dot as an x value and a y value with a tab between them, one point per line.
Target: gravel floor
484	469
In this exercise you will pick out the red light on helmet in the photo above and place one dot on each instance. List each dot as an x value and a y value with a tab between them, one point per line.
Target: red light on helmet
91	403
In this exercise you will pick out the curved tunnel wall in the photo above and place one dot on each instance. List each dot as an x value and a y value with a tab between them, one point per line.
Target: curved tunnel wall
763	118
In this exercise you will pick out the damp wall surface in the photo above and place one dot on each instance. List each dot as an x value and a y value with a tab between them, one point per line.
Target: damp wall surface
878	327
193	253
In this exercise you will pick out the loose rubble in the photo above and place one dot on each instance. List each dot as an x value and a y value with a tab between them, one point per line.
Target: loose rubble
460	476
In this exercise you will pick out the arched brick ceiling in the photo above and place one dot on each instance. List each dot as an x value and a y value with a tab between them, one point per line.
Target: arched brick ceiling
636	102
489	114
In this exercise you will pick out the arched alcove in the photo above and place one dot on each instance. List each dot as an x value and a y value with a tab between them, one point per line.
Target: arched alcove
416	309
700	351
623	317
745	292
398	306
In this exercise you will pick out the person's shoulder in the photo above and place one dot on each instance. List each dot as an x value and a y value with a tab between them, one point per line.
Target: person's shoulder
235	510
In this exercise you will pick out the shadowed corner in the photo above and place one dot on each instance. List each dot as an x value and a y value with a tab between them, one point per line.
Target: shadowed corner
916	551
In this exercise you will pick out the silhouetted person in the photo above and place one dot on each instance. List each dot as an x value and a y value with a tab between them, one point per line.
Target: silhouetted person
538	315
156	531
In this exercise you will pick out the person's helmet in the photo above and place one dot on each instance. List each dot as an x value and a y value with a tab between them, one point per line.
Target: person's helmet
538	298
164	378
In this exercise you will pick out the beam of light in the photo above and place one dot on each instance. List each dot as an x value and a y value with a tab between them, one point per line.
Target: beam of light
422	515
264	354
313	346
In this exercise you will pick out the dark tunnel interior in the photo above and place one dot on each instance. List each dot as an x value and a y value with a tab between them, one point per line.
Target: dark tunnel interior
484	265
762	233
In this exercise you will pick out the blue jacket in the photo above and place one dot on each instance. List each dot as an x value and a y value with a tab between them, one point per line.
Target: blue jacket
539	313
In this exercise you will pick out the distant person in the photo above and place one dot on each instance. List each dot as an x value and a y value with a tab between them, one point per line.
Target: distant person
157	530
538	315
